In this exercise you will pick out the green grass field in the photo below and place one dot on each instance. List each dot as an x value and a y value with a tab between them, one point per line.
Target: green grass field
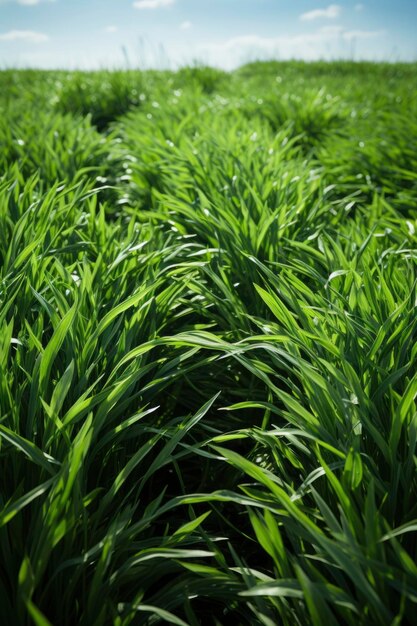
208	324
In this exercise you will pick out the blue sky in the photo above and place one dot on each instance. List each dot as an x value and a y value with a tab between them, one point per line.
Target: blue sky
161	33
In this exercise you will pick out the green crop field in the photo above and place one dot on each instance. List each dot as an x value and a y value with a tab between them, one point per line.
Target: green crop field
208	324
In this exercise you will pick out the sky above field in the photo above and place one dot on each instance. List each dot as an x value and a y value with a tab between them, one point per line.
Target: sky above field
168	33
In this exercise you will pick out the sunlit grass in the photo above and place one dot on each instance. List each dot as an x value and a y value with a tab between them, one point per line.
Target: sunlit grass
208	346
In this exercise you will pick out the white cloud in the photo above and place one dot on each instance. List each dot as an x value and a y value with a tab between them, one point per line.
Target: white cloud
30	3
27	3
331	31
362	34
328	42
186	25
111	29
359	8
332	11
152	4
29	36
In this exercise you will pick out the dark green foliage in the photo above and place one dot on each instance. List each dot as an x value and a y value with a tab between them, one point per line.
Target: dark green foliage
104	95
208	79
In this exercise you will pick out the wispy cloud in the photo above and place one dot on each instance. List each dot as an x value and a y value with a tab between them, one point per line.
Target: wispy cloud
326	42
152	4
359	8
111	29
331	31
350	35
26	3
30	2
186	25
332	11
29	36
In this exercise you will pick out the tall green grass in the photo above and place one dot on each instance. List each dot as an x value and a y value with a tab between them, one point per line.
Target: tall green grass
208	347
